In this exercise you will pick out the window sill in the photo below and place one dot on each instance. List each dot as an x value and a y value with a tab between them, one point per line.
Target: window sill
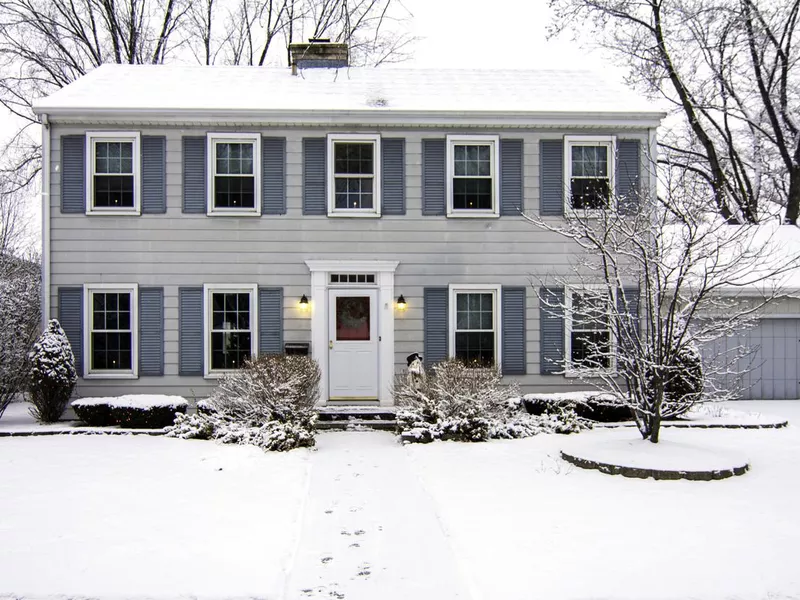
470	214
234	213
111	376
342	214
113	212
574	374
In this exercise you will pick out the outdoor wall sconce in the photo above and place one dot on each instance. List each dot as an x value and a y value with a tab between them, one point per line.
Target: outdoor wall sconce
401	303
304	303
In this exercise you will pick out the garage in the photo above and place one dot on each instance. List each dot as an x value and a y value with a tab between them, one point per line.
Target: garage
772	362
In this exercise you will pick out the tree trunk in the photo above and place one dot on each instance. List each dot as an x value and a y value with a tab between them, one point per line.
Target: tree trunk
793	201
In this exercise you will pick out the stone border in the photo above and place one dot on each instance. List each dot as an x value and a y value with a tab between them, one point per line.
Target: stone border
78	431
693	425
640	473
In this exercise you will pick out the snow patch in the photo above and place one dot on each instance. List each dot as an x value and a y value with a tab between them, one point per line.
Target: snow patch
135	401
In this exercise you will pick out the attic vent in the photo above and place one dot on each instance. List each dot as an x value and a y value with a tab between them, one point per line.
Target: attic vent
319	53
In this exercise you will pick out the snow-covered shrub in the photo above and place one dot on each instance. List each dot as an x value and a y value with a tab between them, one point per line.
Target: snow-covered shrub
19	324
592	405
269	403
683	385
519	423
53	375
138	411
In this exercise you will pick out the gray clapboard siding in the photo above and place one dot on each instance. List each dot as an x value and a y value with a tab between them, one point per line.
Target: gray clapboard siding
273	176
514	357
194	174
551	177
73	173
151	331
190	330
314	176
393	159
434	177
270	320
627	175
154	174
511	176
551	312
436	323
70	315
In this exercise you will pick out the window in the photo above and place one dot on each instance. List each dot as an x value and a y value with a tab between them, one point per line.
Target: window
231	317
474	320
472	168
589	162
589	343
111	319
353	278
234	174
113	175
354	175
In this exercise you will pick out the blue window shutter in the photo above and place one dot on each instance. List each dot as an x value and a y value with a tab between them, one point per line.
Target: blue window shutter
315	199
436	323
629	296
627	176
434	176
70	315
190	331
270	320
393	176
194	174
151	331
73	173
154	175
551	336
514	357
273	176
551	177
511	194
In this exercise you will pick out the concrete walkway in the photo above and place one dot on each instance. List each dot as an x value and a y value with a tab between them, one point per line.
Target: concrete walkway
370	530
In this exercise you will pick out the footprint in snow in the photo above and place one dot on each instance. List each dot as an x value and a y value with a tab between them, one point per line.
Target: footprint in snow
326	559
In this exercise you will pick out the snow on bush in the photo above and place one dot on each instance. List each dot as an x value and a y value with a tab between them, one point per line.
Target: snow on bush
133	410
19	324
268	403
683	382
457	402
53	375
592	405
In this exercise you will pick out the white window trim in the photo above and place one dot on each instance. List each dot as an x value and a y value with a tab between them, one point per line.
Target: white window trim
375	140
114	136
496	290
121	288
211	167
494	143
569	369
210	288
610	141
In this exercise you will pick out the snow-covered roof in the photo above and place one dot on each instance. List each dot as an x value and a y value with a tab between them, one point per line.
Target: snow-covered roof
260	91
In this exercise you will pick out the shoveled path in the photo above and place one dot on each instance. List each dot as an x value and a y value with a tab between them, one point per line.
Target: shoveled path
369	530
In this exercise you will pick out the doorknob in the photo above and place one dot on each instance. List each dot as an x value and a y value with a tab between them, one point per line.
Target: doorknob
330	344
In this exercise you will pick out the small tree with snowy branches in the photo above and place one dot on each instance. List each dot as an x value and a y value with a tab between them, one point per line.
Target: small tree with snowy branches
53	374
654	284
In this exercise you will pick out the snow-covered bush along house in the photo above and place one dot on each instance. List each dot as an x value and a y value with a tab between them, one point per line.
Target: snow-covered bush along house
199	215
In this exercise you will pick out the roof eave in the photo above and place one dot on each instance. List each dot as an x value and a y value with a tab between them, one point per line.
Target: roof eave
362	117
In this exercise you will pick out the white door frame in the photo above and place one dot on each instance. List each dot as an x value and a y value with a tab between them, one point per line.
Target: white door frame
320	277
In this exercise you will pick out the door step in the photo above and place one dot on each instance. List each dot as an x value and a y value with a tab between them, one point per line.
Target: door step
356	418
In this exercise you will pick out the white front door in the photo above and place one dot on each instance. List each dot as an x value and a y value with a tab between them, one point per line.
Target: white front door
353	344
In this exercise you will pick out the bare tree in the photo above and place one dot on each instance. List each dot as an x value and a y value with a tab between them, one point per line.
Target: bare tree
729	67
651	287
15	230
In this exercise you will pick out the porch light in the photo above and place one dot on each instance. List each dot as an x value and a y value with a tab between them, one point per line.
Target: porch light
304	303
401	303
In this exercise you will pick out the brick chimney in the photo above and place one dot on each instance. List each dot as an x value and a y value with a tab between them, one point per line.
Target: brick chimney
318	53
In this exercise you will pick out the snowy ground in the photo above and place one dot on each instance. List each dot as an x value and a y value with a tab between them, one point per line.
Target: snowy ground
366	518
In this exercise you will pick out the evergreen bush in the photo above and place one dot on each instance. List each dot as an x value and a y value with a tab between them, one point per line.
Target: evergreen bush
52	375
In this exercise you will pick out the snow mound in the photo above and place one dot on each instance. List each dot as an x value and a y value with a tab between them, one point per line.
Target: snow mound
135	401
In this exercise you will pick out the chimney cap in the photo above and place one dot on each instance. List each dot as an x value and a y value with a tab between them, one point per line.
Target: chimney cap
319	40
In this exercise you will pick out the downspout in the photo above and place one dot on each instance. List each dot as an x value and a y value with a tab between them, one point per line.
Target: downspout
45	220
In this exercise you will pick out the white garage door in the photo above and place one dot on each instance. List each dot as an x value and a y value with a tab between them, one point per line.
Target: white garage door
773	361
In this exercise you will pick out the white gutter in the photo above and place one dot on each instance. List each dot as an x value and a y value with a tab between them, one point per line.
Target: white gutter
45	219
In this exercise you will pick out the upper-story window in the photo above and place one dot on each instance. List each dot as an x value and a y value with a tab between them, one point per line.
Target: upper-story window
234	173
589	164
114	172
472	173
354	175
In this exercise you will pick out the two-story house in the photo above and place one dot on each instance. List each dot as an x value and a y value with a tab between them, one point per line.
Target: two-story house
197	216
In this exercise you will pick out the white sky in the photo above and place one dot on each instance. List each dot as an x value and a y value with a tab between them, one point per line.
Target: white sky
508	34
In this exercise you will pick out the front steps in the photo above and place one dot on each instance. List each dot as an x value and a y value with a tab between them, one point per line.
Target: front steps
355	418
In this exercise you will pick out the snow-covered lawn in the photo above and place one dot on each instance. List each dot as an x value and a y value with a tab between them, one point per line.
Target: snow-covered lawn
366	518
